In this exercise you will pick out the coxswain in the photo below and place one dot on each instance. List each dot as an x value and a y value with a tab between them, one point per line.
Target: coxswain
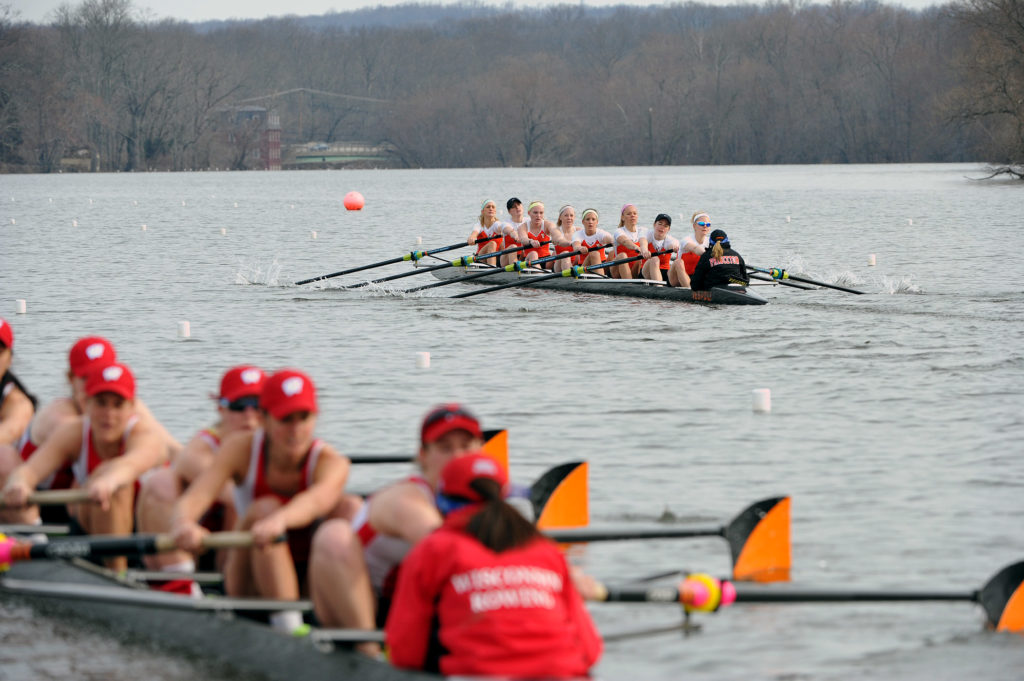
629	242
536	232
237	404
353	565
510	229
719	266
16	403
590	239
561	236
286	480
108	449
690	250
658	239
489	228
487	595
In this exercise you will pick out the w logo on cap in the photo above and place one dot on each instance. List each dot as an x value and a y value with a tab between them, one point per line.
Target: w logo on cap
251	376
112	373
95	351
485	467
292	386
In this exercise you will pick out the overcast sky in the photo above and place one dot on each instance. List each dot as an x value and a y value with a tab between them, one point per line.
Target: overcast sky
39	11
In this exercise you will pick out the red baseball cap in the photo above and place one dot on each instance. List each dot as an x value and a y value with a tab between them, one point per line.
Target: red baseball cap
242	381
6	333
89	352
112	378
445	418
462	470
287	392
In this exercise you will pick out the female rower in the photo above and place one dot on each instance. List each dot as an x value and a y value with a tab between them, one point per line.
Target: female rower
536	232
286	481
590	239
629	242
511	230
16	404
237	412
352	567
719	266
108	449
658	239
489	228
561	237
690	250
499	594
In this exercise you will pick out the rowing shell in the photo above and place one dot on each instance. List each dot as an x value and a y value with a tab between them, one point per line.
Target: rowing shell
592	283
200	627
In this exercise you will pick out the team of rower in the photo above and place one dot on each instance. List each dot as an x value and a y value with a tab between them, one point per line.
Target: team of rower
262	465
658	255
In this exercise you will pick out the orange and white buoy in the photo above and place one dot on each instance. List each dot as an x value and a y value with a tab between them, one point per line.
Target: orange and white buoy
354	201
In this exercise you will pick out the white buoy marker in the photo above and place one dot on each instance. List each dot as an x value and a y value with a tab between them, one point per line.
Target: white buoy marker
312	233
184	330
223	231
762	400
419	241
22	307
789	219
871	259
422	360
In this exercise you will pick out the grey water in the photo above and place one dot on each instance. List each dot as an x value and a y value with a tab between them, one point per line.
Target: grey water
897	416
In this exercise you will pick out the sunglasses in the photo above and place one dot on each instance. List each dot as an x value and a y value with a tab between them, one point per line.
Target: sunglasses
703	224
242	403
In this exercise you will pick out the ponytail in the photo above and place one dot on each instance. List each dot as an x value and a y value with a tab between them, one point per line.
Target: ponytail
497	525
716	250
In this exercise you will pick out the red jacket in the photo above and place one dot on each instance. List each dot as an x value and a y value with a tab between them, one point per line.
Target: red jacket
513	614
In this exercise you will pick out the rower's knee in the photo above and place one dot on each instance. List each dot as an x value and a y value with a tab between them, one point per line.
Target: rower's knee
159	486
335	543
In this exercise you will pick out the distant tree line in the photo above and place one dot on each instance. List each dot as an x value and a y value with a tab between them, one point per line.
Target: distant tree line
844	82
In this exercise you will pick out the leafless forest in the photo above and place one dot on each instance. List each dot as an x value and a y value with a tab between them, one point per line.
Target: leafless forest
844	82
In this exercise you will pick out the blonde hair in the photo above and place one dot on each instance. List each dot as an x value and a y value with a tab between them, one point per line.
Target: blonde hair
482	212
693	218
561	211
716	250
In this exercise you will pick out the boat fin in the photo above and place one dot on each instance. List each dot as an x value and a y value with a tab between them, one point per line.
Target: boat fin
759	539
560	497
496	446
1003	599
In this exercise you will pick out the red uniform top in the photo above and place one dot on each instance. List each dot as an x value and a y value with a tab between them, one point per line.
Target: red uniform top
541	237
60	479
690	261
511	614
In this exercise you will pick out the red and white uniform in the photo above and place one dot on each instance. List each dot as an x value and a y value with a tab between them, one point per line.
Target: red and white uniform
510	239
690	259
487	232
632	236
60	479
88	460
210	436
383	553
542	237
592	243
255	484
669	243
513	614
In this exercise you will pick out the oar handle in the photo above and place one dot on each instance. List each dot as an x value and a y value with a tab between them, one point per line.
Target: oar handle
58	497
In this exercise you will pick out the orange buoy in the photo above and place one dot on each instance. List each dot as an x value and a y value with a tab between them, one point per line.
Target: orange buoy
354	201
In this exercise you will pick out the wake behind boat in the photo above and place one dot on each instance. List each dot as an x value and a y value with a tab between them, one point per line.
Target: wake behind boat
597	284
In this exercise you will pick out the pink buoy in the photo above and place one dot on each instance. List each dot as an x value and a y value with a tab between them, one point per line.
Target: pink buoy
354	201
728	594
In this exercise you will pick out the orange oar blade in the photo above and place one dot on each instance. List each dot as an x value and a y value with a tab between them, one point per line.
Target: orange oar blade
1003	599
560	497
759	539
496	447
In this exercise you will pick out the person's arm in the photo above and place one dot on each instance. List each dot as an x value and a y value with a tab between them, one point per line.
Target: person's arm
473	235
403	511
172	446
590	644
55	452
145	449
408	627
231	463
15	415
314	502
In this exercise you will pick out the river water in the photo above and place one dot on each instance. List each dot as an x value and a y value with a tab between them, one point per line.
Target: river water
897	416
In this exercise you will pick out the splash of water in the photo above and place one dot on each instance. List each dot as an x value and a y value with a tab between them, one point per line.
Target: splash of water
257	274
899	285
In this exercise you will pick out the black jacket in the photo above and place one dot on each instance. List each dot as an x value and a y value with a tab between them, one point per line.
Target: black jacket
710	271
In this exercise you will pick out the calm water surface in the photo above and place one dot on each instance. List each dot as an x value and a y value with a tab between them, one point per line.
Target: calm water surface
897	416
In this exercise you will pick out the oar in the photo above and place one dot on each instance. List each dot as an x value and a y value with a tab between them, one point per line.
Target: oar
574	271
518	266
103	546
1002	596
414	255
464	261
55	497
759	538
779	274
792	284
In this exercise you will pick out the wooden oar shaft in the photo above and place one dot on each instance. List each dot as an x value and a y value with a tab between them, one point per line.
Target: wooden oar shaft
58	497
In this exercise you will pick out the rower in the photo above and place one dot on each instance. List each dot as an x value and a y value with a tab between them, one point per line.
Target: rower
108	449
489	227
16	404
493	596
237	412
719	266
629	243
690	250
590	239
536	232
561	236
286	481
658	239
352	566
511	230
85	355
